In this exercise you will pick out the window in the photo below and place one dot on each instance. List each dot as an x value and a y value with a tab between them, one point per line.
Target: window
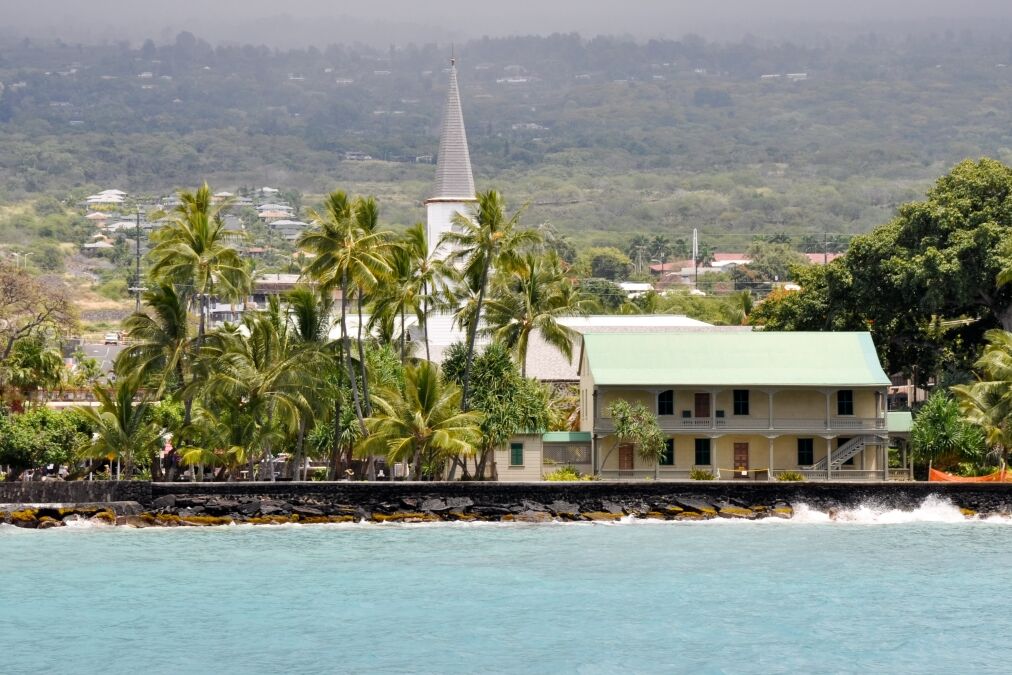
516	454
702	451
806	451
741	401
666	403
845	402
668	456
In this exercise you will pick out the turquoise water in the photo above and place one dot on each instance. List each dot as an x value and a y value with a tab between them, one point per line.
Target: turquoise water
878	593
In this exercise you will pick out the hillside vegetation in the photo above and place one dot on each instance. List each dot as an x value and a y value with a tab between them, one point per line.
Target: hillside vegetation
604	137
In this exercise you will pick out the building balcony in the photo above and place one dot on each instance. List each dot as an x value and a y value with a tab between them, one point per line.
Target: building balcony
673	424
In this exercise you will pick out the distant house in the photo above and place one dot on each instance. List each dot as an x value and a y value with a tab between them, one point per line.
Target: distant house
634	289
97	247
822	258
722	260
289	229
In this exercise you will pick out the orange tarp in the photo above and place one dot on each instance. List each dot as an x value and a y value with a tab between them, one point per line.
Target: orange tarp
1003	476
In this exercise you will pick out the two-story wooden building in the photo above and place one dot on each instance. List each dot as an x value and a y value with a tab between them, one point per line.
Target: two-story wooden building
739	404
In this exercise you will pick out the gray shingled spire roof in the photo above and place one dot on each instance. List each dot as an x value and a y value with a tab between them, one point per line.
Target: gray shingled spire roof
453	168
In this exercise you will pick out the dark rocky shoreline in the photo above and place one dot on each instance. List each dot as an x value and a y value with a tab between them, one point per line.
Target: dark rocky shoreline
143	504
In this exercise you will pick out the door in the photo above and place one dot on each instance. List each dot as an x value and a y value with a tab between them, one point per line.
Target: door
741	460
702	405
625	457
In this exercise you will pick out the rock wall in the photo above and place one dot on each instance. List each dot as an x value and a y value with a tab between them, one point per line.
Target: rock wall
262	503
573	501
74	492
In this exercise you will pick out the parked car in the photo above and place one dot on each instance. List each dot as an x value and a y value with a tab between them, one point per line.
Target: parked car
112	338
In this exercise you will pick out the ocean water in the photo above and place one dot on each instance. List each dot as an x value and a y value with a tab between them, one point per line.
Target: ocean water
914	592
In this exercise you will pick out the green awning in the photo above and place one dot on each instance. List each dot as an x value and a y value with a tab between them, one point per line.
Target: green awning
566	437
762	358
899	422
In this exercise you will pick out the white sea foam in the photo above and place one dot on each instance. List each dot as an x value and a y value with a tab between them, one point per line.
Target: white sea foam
932	510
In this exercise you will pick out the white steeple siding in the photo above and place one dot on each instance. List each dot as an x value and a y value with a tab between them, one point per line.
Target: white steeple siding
454	192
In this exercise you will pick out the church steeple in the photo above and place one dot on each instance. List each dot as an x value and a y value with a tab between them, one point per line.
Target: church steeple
454	192
453	168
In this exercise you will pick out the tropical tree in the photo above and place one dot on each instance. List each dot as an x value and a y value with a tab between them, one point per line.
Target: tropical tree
941	437
123	429
531	298
636	425
260	366
484	240
195	251
509	403
160	347
420	283
310	315
941	258
987	403
33	366
346	255
423	424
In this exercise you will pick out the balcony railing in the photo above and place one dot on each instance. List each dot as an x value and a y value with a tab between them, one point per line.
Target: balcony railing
672	423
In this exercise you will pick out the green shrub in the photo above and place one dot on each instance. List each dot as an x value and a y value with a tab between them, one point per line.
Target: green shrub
790	477
318	474
701	474
566	473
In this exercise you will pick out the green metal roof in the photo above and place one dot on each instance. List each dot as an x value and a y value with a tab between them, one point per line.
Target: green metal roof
566	437
734	358
899	422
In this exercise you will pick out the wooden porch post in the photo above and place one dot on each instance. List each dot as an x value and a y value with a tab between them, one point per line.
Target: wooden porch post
769	397
885	458
829	455
769	466
828	394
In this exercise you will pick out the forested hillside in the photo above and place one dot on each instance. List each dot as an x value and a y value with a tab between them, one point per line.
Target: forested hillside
605	137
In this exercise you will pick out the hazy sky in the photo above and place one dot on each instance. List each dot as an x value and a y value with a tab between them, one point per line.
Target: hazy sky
287	23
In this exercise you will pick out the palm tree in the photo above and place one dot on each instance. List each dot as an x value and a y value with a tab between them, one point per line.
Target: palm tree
260	365
485	240
195	251
987	402
423	424
123	428
310	315
345	255
32	366
419	284
160	345
532	298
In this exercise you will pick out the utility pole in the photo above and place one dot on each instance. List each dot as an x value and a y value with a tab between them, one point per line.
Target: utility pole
825	248
136	288
695	255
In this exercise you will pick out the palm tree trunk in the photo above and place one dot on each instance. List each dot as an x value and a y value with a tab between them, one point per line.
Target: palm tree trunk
416	462
335	451
473	333
404	353
425	319
293	473
367	401
346	349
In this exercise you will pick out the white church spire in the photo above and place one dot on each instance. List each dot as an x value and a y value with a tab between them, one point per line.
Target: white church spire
454	190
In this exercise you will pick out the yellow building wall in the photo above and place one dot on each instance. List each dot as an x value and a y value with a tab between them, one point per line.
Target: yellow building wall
785	453
799	404
531	469
631	396
758	406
